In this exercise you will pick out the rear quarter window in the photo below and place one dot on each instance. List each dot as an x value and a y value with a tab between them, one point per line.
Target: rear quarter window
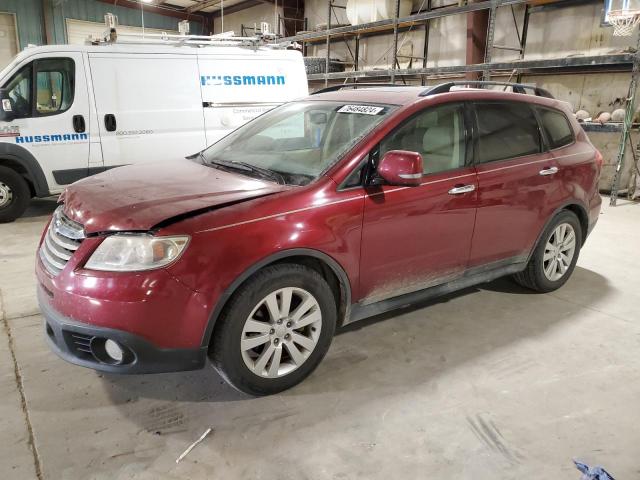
557	127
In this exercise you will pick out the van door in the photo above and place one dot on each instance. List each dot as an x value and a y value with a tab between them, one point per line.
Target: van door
149	107
240	85
49	99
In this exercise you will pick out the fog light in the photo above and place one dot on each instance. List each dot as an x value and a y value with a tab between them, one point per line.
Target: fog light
114	350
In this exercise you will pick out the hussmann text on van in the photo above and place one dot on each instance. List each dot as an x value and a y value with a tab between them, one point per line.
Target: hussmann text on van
66	137
242	80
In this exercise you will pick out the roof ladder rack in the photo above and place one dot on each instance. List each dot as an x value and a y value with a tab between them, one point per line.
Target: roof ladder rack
221	39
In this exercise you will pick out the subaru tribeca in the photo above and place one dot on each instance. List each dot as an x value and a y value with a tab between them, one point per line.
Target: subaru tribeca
321	212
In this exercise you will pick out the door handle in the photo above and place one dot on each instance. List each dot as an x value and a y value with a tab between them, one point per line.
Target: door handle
548	171
110	122
459	189
78	124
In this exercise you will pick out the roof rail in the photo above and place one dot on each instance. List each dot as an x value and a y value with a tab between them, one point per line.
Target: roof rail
517	87
221	39
334	88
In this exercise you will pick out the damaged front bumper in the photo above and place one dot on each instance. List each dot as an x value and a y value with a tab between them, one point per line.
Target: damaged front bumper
87	345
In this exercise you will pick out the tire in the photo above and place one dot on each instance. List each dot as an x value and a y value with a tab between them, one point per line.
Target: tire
539	275
14	195
247	320
314	65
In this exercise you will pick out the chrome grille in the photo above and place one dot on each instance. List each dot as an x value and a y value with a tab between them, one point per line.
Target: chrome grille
63	238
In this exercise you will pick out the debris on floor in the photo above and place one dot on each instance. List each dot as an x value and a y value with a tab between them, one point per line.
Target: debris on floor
191	447
592	473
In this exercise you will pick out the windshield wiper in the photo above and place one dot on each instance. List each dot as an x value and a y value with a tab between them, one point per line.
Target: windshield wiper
247	167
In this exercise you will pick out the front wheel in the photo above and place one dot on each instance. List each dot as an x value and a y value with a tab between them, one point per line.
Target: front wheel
14	195
555	256
275	330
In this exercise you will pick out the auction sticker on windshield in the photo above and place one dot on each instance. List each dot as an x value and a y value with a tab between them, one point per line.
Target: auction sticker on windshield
362	109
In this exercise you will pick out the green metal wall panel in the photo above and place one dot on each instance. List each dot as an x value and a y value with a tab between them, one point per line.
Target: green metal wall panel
28	18
94	11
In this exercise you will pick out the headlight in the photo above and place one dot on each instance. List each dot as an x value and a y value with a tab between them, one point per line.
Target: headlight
135	252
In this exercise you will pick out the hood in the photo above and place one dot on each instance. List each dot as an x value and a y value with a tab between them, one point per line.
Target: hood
139	197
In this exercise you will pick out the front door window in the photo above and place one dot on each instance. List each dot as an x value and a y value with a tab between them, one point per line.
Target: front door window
54	88
54	85
437	134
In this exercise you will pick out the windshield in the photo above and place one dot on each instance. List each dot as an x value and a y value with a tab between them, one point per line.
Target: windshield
297	141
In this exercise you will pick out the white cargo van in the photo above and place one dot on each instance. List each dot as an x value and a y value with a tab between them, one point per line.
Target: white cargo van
69	111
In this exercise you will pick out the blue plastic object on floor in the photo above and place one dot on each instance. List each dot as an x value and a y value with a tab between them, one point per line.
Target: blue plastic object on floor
595	473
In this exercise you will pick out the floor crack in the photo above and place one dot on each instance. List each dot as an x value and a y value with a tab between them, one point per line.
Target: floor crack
23	400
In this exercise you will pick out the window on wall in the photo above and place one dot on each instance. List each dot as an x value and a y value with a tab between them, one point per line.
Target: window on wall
55	82
506	130
556	126
436	133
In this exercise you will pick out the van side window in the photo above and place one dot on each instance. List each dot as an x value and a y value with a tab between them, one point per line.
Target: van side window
557	127
436	133
506	130
19	91
55	85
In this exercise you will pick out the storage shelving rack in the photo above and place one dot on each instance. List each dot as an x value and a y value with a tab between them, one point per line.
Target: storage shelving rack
623	62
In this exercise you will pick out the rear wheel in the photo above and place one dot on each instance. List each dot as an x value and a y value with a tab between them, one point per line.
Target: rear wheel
14	195
555	257
275	330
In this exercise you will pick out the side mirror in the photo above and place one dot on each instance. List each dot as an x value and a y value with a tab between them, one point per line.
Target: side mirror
401	167
6	110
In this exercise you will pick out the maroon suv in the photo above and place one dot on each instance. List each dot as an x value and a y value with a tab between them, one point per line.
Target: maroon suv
321	212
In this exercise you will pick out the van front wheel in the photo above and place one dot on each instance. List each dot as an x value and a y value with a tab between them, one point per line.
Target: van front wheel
14	195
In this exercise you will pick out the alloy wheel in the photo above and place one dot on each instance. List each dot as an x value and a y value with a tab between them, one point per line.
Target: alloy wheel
6	195
281	332
559	252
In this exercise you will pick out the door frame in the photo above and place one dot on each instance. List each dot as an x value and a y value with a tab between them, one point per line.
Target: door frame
545	151
369	185
80	81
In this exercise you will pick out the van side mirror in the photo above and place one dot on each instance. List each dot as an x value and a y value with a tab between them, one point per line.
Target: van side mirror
401	167
6	110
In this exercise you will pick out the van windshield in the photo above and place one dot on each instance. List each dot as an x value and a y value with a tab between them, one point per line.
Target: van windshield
296	142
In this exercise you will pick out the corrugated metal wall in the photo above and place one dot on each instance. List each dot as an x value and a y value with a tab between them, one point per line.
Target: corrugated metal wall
29	17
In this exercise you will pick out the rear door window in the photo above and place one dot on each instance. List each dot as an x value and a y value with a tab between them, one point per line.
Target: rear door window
506	130
556	127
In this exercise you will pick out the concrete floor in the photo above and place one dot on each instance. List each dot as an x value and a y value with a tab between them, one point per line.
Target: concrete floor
491	383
